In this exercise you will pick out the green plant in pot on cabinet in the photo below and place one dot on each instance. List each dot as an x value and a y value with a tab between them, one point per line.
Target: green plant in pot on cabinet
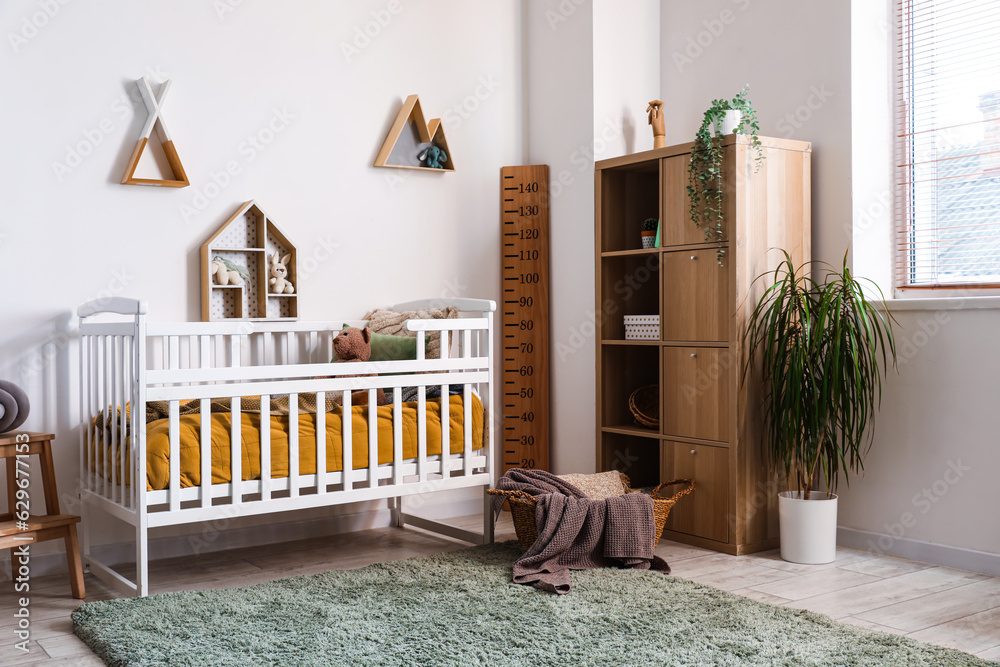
822	348
705	178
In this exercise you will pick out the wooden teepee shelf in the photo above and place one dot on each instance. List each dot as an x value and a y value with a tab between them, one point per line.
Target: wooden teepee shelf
155	119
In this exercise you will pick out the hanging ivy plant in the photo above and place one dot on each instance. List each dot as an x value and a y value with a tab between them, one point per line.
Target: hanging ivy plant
705	178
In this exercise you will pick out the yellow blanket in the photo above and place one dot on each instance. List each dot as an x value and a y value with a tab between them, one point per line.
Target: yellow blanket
158	442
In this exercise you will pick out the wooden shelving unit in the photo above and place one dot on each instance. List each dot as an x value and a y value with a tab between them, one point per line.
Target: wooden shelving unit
710	423
247	238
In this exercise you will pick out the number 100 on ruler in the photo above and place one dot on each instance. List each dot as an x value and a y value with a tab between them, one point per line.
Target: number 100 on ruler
524	224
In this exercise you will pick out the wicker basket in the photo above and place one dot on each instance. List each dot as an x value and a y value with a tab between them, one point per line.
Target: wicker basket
522	508
644	403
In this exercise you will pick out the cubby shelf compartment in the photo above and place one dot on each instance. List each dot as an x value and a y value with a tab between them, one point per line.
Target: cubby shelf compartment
249	237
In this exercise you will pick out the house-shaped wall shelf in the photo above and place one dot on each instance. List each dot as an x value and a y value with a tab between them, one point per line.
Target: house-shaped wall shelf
409	135
248	239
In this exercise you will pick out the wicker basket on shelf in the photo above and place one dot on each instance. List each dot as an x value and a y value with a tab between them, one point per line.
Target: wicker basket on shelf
522	508
644	403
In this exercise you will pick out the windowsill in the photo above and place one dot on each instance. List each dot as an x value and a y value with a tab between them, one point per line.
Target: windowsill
945	303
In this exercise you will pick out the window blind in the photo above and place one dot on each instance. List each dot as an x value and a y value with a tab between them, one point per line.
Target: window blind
948	144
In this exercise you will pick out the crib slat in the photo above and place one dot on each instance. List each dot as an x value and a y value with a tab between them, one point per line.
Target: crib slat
372	437
422	433
321	436
467	428
206	451
397	436
174	354
347	441
95	401
445	414
116	404
421	416
293	445
236	434
236	449
108	412
205	421
265	447
128	346
175	455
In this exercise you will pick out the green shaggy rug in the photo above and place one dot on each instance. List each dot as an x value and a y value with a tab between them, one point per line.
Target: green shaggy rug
462	609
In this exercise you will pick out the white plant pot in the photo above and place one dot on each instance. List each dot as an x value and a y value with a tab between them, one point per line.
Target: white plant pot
729	122
808	527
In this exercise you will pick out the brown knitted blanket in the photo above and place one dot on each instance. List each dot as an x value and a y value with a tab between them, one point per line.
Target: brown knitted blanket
578	533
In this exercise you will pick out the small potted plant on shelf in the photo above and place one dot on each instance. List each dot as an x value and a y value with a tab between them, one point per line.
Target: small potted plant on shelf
649	226
705	178
822	348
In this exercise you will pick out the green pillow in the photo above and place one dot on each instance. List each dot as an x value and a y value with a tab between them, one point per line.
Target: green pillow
389	348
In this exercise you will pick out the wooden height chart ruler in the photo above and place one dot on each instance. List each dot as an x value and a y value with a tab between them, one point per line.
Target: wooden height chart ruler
524	261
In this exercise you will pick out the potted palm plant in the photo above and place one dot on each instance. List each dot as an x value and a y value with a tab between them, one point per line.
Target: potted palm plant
822	349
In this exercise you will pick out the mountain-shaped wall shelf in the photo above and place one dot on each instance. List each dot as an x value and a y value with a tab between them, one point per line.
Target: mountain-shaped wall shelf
409	136
154	107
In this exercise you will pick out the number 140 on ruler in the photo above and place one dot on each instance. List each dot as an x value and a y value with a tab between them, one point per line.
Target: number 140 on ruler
524	225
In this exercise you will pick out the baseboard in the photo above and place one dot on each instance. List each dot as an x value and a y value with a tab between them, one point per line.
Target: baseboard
279	531
924	552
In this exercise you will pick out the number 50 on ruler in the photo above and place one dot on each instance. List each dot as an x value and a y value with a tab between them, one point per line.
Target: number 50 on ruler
524	261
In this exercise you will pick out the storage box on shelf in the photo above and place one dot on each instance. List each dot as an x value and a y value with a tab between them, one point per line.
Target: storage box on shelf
710	424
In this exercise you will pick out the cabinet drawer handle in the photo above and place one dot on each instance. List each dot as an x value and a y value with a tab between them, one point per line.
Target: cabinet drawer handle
694	256
693	451
694	356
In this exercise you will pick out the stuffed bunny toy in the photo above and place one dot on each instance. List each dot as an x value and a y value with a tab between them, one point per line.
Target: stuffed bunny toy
279	275
224	274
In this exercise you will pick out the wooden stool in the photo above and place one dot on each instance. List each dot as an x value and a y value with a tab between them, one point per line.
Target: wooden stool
50	526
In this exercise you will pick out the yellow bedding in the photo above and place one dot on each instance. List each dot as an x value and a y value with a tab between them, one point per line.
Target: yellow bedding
158	441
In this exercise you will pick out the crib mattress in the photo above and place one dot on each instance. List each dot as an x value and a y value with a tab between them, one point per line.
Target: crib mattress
158	441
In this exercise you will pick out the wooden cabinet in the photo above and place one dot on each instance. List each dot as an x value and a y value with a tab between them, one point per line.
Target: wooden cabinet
707	513
696	387
710	418
695	296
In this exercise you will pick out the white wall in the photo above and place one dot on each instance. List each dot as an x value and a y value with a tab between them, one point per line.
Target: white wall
274	71
940	409
796	56
626	74
559	98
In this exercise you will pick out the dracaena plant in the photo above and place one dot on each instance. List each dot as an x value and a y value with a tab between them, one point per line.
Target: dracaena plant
705	178
822	349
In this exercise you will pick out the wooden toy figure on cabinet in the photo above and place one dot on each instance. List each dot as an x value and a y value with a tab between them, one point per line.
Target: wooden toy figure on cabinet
655	112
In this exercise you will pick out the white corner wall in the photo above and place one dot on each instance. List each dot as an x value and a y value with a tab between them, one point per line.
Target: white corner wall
796	56
928	482
293	100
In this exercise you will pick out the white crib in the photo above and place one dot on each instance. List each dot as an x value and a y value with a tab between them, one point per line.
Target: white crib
126	360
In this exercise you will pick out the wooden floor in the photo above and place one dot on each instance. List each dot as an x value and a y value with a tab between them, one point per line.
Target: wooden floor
932	604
